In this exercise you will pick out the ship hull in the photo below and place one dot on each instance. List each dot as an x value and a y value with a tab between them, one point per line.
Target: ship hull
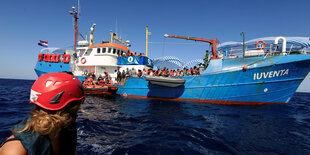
43	67
50	67
270	80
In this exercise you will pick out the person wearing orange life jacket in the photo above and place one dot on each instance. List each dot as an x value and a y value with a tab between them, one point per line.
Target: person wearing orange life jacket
195	71
157	72
181	73
85	82
50	128
91	81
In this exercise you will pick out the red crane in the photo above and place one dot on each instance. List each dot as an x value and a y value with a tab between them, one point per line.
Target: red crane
212	42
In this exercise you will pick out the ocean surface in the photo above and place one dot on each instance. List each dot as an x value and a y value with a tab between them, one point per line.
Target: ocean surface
128	126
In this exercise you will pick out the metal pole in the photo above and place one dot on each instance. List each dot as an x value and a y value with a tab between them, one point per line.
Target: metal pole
242	34
146	40
75	31
112	36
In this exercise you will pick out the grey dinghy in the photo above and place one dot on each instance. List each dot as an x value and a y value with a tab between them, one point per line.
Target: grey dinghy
165	81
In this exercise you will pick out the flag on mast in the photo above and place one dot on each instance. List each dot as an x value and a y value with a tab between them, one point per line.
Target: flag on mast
43	43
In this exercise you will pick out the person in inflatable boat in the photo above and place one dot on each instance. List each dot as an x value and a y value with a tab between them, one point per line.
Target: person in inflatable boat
50	127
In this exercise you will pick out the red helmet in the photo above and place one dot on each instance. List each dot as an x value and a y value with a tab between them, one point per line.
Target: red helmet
53	91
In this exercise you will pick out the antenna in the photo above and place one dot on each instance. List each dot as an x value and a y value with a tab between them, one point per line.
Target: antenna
116	29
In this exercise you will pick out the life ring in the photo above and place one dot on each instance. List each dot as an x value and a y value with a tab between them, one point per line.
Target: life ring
260	41
83	60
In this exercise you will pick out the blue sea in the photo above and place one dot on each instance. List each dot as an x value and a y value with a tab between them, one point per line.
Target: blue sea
117	125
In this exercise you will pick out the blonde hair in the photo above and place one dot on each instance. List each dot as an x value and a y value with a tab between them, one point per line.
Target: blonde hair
50	123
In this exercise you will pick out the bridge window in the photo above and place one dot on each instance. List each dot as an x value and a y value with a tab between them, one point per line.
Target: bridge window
114	51
104	50
98	50
118	52
109	50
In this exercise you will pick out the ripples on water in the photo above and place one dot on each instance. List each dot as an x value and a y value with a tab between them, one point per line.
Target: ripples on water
128	126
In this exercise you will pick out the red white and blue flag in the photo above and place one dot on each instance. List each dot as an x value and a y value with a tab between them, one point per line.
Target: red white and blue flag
43	43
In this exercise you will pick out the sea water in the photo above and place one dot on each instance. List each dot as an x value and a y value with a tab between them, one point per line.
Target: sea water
117	125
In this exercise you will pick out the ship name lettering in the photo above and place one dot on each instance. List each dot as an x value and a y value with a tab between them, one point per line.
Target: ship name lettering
270	74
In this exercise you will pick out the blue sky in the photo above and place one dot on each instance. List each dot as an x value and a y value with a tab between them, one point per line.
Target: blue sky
23	23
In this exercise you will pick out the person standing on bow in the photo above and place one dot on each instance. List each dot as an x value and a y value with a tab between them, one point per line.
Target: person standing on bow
206	57
50	128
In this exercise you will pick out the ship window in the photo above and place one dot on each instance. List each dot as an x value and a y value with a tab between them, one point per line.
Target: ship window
109	50
98	50
122	53
114	51
117	52
103	50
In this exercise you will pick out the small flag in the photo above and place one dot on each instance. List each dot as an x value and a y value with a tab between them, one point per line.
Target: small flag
43	43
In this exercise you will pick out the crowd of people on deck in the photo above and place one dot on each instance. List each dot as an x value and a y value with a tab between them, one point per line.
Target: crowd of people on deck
131	54
122	76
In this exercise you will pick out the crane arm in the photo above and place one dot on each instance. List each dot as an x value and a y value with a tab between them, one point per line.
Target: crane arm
212	42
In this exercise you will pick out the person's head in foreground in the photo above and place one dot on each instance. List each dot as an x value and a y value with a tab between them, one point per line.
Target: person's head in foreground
50	127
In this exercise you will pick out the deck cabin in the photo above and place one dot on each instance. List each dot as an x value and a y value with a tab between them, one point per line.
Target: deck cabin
107	57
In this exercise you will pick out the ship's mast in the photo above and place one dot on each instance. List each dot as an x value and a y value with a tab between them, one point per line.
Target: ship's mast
76	17
92	34
147	39
243	44
212	42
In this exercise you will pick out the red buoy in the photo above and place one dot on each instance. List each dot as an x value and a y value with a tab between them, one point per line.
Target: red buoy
245	68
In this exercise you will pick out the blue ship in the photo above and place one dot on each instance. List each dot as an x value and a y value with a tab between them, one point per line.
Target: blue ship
256	72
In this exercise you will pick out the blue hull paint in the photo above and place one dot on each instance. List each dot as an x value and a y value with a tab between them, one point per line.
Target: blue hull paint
51	67
274	79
